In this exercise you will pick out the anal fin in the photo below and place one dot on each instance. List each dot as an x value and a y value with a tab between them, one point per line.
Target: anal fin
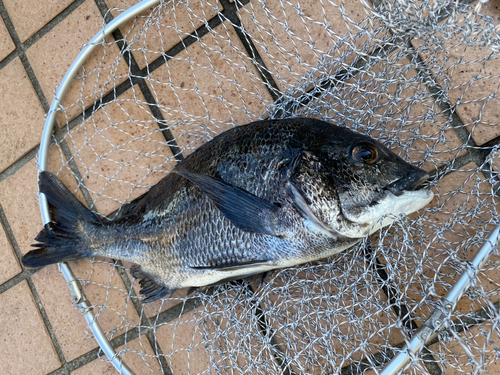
149	288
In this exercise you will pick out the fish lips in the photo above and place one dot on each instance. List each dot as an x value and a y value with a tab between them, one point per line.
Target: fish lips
410	182
401	196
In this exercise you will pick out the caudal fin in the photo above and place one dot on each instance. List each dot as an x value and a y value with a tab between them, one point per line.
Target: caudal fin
60	240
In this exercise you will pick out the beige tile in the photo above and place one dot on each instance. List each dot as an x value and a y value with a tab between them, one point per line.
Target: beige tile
51	56
105	292
25	344
476	344
136	354
197	91
30	16
182	345
291	43
6	43
19	199
120	152
170	24
21	114
9	265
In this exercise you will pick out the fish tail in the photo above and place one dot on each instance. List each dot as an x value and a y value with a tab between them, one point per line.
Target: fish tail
61	240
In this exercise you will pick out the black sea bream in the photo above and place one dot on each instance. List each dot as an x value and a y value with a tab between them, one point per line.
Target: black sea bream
267	195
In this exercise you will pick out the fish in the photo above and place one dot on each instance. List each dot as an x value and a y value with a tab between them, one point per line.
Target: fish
263	196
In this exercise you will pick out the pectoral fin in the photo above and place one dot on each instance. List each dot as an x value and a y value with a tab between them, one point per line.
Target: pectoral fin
245	210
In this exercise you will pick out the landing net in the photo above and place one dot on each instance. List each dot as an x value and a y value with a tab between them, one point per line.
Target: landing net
422	77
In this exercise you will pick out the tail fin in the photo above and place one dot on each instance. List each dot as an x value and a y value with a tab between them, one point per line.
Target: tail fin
60	240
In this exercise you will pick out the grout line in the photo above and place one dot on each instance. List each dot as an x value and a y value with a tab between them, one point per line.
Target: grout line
9	24
402	311
8	59
35	83
46	320
436	91
65	370
25	272
488	146
138	77
176	311
12	282
76	172
162	318
266	329
338	76
192	38
458	163
428	358
26	275
231	13
155	109
459	324
19	163
52	23
21	53
43	30
76	363
10	236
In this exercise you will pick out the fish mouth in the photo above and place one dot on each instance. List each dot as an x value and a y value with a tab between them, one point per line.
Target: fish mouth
411	182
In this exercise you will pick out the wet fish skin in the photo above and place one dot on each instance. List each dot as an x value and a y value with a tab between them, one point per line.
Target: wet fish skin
267	195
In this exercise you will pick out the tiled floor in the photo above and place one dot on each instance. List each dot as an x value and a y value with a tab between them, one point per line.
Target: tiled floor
40	331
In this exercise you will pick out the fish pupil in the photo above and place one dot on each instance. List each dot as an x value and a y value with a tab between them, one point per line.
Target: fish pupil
364	153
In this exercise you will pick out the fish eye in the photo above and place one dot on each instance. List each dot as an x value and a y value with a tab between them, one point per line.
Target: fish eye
365	153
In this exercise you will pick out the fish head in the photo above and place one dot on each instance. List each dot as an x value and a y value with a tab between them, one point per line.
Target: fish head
367	186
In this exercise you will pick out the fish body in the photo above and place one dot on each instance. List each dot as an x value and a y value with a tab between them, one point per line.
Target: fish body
267	195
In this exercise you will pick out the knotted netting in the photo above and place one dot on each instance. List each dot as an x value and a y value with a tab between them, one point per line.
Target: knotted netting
422	77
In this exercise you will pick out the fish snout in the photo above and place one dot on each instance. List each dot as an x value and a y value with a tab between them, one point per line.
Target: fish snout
411	181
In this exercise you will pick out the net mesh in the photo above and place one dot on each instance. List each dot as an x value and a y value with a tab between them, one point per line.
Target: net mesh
422	77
